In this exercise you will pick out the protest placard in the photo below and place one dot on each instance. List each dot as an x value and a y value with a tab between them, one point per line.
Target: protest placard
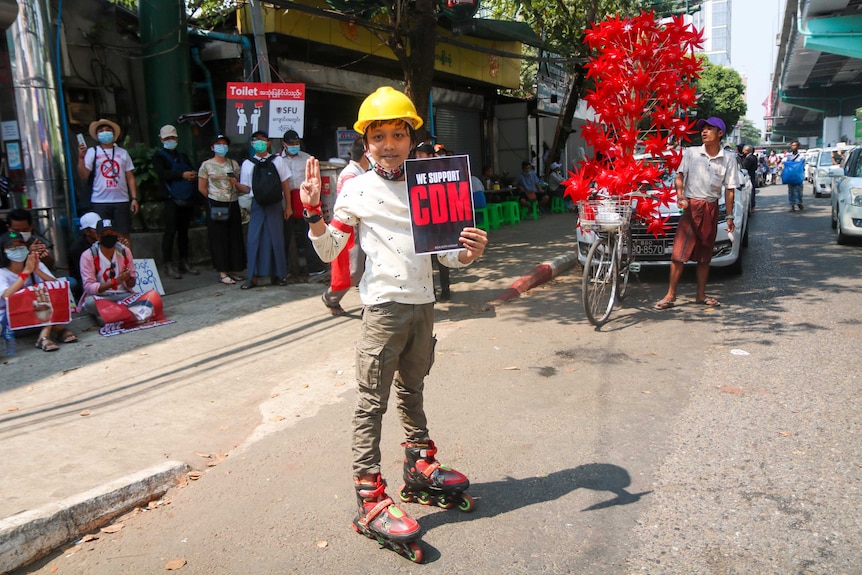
45	303
440	200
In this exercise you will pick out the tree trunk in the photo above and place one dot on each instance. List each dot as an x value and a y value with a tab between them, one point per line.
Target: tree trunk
564	121
419	70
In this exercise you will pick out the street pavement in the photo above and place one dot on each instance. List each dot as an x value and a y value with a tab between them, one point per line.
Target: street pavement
111	423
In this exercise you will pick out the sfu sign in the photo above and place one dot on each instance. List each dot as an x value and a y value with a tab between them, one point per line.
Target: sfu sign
273	108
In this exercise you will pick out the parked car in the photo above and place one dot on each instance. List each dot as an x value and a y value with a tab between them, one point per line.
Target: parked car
847	197
656	251
822	179
811	163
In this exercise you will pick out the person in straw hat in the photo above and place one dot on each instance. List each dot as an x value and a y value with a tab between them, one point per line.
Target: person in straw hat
114	193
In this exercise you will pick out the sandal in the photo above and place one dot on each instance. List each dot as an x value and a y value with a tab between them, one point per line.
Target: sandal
334	309
710	302
68	336
665	304
248	285
236	277
227	280
46	344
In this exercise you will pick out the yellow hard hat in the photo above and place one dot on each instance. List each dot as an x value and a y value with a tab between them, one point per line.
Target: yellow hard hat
386	104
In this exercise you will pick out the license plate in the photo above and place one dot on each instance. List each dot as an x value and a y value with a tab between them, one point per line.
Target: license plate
648	247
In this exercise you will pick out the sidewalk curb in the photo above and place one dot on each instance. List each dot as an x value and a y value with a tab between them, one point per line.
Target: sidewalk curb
30	535
542	273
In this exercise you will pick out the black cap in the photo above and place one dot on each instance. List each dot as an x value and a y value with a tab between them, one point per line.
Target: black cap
105	225
221	137
425	148
10	238
290	136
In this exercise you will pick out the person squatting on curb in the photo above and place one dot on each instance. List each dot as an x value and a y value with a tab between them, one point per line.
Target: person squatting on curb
397	293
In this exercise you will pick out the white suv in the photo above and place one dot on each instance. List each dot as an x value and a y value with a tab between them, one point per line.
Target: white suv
822	179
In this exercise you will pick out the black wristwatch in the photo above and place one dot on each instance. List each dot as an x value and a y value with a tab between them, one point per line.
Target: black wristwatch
313	218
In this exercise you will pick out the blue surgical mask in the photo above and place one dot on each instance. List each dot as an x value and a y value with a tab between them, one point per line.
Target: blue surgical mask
17	254
292	150
220	149
170	144
105	137
259	146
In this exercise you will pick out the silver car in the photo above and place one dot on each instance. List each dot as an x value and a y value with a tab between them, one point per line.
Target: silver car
847	199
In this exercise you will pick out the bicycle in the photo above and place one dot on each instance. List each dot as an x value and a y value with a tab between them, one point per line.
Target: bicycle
610	259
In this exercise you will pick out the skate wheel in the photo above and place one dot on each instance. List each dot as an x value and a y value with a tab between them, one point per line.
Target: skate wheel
445	503
406	496
413	551
467	504
424	498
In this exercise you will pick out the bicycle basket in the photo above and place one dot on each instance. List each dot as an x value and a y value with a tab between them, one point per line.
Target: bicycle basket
604	214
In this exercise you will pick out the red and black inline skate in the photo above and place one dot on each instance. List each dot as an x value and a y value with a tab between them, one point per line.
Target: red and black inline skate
380	519
427	482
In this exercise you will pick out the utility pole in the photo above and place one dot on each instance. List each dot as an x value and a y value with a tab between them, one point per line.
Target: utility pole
257	31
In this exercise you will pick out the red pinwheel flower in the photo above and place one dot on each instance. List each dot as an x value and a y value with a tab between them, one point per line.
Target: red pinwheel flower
666	195
658	226
655	145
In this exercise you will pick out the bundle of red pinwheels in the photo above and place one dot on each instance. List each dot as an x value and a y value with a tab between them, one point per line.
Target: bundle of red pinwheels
643	75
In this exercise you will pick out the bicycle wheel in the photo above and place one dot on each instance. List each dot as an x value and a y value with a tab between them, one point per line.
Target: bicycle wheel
599	283
626	258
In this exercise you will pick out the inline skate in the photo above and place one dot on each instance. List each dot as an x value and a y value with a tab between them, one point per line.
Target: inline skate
380	519
427	482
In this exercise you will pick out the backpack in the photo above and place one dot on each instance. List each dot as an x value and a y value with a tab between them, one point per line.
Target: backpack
181	191
793	172
265	182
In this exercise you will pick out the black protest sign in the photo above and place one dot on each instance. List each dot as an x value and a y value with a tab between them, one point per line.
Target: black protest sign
441	202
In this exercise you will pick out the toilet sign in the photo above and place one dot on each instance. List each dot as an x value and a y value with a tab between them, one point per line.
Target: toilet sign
272	108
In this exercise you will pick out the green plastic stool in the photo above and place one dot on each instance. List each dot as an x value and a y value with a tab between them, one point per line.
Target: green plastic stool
511	213
495	215
485	223
558	205
531	211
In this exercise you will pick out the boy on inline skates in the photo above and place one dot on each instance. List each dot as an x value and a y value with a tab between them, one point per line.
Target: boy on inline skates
397	341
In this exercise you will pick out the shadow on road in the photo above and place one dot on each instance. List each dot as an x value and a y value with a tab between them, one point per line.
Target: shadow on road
498	497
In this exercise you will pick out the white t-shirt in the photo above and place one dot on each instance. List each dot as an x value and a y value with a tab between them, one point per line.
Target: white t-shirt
296	165
352	170
707	176
110	167
246	174
8	277
378	211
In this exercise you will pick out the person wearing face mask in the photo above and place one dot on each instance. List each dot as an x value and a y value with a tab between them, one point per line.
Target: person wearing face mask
88	237
396	345
21	221
107	269
115	193
296	228
266	254
21	269
217	182
177	186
